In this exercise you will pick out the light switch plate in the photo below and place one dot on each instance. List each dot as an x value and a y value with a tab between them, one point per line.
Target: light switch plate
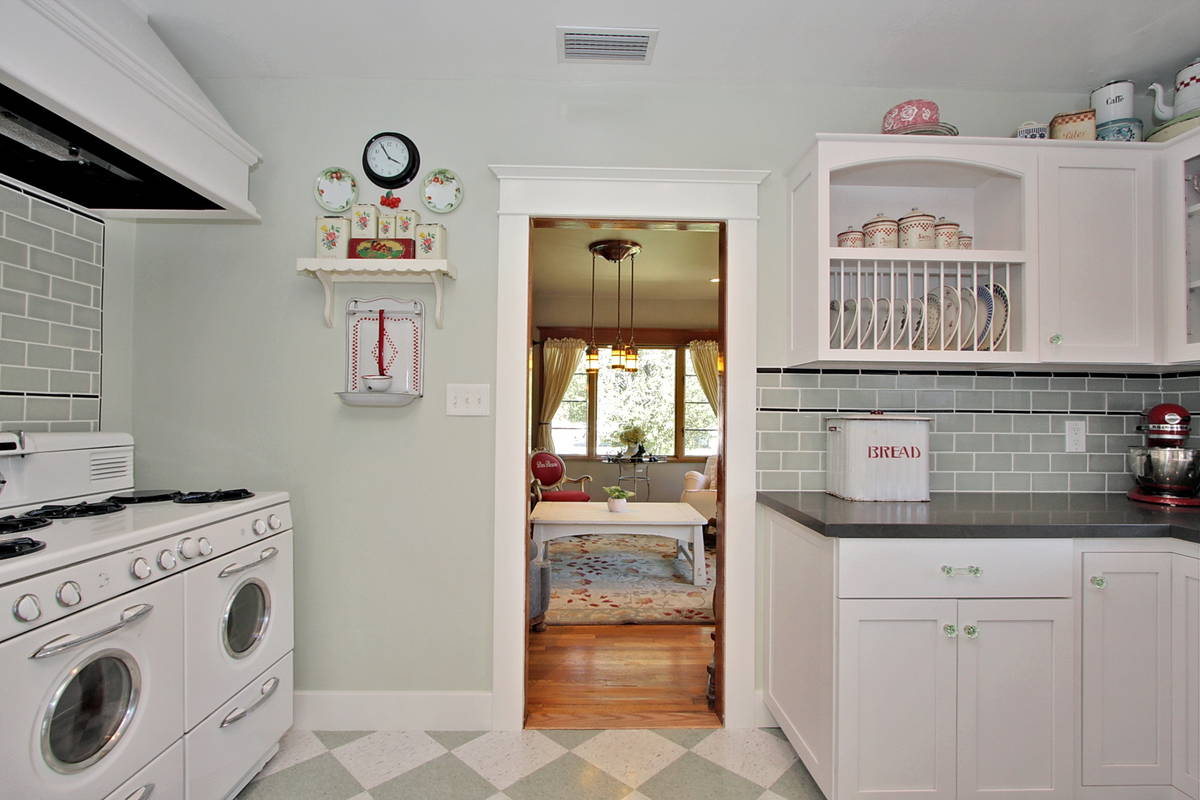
1076	430
468	399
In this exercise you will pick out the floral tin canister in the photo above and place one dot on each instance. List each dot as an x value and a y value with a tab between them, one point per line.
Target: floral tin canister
364	221
382	248
1120	130
1033	130
333	237
916	230
910	114
431	240
881	231
945	234
1077	125
851	237
386	226
406	222
966	241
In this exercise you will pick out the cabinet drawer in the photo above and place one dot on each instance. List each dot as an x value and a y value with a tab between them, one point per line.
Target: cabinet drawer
977	567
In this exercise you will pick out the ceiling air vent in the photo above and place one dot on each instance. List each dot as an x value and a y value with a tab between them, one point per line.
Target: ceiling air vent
606	45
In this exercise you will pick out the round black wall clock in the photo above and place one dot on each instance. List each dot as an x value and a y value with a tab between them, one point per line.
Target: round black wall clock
391	160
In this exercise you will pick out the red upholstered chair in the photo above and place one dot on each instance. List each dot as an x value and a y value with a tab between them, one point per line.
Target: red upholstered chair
549	475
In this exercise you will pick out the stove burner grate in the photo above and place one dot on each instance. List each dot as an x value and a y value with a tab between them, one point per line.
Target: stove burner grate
19	547
145	496
219	496
77	510
11	524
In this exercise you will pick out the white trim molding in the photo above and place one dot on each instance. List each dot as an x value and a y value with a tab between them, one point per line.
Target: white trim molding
389	711
729	196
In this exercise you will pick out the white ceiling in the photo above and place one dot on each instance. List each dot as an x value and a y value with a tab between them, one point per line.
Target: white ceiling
1019	45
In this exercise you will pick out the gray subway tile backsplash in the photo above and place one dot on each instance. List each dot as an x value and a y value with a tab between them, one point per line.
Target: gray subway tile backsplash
1002	433
50	313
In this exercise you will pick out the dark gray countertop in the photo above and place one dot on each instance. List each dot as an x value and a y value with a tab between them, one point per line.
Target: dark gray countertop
985	515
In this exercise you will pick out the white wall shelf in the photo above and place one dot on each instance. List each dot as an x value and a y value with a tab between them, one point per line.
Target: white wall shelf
365	270
375	398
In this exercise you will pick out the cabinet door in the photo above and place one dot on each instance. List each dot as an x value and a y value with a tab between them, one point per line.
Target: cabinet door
1096	255
1185	620
1015	699
1126	711
896	699
1179	212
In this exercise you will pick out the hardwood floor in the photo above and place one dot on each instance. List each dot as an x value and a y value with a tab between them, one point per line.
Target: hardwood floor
619	676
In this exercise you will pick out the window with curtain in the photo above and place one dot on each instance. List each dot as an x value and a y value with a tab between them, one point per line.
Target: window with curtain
570	424
699	419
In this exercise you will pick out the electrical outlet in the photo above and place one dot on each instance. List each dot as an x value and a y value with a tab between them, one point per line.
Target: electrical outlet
1076	430
468	399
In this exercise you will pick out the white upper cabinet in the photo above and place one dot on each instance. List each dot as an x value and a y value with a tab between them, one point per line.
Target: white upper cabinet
1179	201
1096	255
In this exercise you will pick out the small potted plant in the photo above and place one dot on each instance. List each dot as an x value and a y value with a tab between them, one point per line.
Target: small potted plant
618	498
632	437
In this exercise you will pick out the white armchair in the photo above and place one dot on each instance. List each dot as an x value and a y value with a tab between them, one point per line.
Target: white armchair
700	489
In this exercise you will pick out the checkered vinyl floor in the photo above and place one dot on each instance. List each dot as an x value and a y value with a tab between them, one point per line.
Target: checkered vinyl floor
755	764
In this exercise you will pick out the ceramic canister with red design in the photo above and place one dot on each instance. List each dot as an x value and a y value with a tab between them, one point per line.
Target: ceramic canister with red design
916	230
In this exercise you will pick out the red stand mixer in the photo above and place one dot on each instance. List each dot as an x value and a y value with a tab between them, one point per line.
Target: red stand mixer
1165	470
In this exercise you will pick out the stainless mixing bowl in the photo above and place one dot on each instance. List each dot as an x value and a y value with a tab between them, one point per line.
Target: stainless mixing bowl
1166	470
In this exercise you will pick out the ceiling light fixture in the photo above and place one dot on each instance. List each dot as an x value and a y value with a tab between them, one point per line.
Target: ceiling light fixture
714	280
616	251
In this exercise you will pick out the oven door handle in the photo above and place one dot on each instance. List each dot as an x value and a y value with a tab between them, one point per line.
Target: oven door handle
237	714
70	640
235	568
142	792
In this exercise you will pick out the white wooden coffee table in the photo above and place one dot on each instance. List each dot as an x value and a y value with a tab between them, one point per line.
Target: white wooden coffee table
678	521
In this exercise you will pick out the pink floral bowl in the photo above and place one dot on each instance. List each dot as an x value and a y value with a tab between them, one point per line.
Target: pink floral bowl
910	114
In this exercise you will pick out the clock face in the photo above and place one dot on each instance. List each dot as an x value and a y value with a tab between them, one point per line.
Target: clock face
391	160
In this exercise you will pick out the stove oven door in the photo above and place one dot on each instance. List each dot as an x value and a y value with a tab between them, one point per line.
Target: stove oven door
92	698
239	621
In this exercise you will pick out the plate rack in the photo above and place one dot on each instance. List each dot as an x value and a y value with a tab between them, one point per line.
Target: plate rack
926	305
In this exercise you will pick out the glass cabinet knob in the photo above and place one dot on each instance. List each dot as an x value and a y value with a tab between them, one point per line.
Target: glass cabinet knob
1099	581
972	631
951	631
1056	338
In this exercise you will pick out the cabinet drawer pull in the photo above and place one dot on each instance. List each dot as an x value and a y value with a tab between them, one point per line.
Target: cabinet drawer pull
1099	581
265	693
972	631
951	631
971	570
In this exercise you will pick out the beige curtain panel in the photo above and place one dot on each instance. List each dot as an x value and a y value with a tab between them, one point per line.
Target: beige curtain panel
560	357
705	356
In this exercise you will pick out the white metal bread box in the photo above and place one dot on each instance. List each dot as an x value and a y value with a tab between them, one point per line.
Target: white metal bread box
878	457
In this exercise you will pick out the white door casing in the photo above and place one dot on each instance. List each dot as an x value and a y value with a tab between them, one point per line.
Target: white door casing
624	193
1185	622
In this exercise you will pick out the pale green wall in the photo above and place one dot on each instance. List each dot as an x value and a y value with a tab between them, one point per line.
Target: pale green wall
116	375
234	370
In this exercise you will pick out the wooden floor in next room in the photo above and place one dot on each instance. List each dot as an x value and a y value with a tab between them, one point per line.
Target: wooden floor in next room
620	676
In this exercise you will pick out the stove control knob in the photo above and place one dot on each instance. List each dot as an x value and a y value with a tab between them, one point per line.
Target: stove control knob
140	569
68	594
188	548
275	522
259	527
27	608
166	559
205	546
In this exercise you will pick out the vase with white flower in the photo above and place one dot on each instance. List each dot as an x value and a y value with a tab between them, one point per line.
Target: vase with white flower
618	498
632	437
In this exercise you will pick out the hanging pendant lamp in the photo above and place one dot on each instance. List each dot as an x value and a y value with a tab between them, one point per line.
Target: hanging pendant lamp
592	355
631	353
616	251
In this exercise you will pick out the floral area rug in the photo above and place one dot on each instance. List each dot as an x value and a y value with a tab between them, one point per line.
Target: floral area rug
615	579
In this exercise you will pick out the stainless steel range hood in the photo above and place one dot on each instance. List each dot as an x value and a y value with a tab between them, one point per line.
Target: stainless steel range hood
95	109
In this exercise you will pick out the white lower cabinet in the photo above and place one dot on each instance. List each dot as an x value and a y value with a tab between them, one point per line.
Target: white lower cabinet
1126	670
1185	579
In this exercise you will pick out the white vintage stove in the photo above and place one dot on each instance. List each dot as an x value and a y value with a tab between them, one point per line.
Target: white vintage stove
145	636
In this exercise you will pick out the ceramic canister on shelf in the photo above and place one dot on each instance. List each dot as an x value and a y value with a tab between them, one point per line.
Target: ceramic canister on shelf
333	237
387	226
364	220
1033	130
916	230
431	240
406	222
965	241
881	231
1113	100
851	237
1076	125
1120	130
945	234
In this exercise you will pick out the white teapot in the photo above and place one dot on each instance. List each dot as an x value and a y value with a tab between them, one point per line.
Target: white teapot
1187	93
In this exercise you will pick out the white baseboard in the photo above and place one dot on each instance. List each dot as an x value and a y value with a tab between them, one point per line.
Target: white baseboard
375	711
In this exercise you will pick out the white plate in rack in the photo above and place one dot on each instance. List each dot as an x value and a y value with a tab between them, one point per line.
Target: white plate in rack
966	325
835	315
983	315
866	321
950	311
916	321
899	322
930	324
1001	309
849	319
883	321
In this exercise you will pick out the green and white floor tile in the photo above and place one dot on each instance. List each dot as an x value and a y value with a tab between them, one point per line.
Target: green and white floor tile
756	764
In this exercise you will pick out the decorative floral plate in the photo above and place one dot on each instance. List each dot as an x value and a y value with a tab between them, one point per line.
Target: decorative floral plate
336	189
441	191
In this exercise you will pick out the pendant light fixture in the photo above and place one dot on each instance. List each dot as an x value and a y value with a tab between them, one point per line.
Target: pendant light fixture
631	353
592	356
616	251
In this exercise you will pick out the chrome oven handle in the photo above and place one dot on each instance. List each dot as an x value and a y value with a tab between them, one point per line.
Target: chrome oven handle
70	640
142	792
267	690
235	568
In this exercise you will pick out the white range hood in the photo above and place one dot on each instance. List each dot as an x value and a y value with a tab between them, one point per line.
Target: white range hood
99	65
